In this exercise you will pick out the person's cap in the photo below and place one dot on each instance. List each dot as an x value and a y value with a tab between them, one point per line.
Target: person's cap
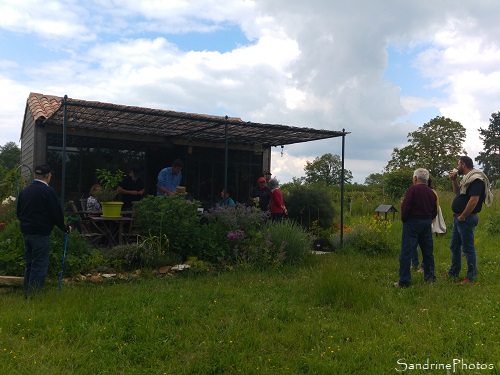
268	172
261	179
43	169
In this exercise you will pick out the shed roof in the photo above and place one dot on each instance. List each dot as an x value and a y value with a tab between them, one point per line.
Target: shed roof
386	208
139	121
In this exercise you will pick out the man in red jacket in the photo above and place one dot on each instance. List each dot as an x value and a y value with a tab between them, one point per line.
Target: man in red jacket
38	210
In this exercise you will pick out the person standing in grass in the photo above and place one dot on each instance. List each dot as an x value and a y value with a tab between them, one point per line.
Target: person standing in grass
418	209
470	194
38	210
414	258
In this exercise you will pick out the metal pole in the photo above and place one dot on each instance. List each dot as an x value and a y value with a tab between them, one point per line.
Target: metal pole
225	162
342	193
63	172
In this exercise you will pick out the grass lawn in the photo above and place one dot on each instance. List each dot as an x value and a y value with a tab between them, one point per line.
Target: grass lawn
336	314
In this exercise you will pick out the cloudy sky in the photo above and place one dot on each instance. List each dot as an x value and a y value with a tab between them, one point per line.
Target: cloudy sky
378	69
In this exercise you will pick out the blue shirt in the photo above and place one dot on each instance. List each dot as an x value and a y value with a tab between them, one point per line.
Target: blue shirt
168	180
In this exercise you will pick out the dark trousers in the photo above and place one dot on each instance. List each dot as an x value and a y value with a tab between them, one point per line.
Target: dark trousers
36	250
416	232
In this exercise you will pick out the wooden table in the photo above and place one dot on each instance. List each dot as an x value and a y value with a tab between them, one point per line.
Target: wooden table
111	227
99	213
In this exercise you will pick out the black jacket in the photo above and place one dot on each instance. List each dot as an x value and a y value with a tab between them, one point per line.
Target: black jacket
38	210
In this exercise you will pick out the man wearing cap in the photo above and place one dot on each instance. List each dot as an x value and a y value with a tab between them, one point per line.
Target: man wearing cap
38	211
261	194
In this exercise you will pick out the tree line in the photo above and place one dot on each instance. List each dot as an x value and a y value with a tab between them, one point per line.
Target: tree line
436	146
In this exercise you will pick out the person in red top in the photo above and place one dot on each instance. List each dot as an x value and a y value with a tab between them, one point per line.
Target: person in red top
417	211
278	208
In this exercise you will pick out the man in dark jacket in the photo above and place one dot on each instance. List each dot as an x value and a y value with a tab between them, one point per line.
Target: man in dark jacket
261	194
38	210
418	209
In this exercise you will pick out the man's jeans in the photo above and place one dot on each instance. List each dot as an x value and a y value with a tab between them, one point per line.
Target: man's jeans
416	232
36	249
462	238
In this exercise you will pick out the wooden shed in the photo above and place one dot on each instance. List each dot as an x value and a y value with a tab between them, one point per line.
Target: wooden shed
77	136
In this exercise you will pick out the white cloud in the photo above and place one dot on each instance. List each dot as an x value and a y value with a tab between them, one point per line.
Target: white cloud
316	64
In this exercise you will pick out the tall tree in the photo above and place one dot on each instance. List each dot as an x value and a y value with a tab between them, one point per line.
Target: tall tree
490	157
327	169
10	155
435	146
375	180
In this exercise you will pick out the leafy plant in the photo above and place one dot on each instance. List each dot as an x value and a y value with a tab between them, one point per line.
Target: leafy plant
306	203
225	228
369	235
492	224
258	251
8	210
291	238
109	182
173	217
12	259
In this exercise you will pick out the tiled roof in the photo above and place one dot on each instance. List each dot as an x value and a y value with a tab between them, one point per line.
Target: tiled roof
114	118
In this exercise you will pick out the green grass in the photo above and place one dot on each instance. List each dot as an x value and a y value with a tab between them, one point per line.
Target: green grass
339	314
335	314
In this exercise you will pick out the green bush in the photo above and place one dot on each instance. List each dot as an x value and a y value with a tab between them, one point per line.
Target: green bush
216	244
492	224
174	217
292	237
12	258
8	210
78	254
306	203
369	235
257	251
397	182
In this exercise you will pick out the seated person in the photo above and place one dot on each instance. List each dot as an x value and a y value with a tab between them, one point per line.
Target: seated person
92	203
226	199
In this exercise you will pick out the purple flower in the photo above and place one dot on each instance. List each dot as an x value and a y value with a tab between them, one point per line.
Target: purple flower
235	235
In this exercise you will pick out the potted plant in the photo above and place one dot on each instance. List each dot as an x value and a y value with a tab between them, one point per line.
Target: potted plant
109	182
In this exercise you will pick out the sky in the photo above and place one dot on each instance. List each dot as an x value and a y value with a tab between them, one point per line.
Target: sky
378	69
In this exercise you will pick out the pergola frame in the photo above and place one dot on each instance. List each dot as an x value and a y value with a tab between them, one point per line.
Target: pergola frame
146	122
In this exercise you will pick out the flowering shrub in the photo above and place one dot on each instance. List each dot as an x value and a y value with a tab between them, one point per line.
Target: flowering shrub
260	252
235	235
8	210
370	235
227	228
291	239
246	238
237	217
